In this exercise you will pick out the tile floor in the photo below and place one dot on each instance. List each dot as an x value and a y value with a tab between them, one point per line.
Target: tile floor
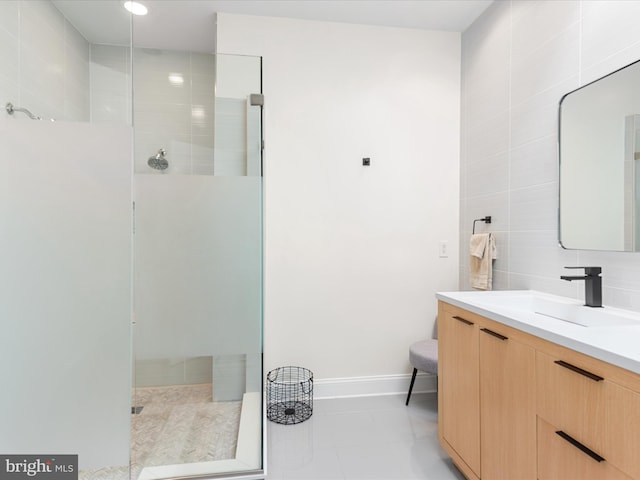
372	438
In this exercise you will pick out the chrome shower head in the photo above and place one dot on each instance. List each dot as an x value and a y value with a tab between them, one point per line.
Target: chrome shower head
158	161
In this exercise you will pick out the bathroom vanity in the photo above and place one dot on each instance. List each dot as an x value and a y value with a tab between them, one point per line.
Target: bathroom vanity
534	386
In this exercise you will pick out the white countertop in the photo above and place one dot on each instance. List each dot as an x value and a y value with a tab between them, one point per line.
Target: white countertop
615	344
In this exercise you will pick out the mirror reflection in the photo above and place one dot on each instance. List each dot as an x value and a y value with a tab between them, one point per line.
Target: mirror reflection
599	171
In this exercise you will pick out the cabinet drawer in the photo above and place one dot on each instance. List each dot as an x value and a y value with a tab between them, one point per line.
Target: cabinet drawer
560	459
573	399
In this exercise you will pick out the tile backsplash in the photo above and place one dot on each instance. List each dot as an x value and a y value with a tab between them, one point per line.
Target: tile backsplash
518	59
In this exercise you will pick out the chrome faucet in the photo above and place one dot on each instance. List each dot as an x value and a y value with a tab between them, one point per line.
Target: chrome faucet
592	285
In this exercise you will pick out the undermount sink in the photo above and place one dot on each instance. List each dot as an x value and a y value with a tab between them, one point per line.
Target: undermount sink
560	308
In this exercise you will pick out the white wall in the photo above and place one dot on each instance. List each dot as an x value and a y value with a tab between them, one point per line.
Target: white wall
518	60
351	252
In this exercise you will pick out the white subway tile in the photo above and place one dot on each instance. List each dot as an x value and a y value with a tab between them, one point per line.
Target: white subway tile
109	81
10	17
203	88
108	109
538	253
496	205
202	151
43	77
113	57
202	168
488	138
608	27
75	43
487	95
536	117
555	62
38	105
534	163
534	208
9	57
611	64
203	63
489	175
538	22
619	269
621	298
553	285
151	59
163	118
489	34
44	13
42	31
9	92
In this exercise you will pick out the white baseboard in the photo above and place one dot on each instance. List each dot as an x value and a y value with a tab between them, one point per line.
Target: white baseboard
374	385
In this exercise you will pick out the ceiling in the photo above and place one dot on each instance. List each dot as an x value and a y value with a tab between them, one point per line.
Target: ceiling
188	24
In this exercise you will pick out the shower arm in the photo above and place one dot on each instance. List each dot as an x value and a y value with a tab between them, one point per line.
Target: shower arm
11	110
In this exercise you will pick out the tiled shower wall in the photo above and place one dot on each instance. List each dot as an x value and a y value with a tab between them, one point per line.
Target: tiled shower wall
174	98
44	62
48	67
518	59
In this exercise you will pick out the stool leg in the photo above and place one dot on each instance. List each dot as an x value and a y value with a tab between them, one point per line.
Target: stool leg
413	379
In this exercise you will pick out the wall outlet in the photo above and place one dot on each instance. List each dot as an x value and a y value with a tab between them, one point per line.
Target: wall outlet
443	249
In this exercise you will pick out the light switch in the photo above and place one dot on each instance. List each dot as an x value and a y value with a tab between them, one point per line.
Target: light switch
443	249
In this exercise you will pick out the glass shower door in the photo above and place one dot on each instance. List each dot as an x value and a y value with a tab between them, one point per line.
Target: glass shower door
65	242
198	266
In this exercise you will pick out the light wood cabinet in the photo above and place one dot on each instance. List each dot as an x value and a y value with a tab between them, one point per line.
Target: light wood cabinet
458	379
597	405
514	406
487	397
507	406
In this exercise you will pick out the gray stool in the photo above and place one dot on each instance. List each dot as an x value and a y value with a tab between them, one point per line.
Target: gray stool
423	356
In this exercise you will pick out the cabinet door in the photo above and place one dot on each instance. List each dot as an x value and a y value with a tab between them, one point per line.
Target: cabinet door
459	392
507	407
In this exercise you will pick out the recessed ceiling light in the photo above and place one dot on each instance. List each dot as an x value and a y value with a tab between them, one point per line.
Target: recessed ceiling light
136	8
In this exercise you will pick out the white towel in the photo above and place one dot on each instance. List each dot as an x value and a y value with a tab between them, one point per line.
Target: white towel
483	252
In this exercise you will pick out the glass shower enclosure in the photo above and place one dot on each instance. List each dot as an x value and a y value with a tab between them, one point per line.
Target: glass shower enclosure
131	249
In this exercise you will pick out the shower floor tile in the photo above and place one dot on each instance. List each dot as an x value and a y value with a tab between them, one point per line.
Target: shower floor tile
175	425
181	424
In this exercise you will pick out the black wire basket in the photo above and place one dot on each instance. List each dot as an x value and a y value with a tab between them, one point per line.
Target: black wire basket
289	395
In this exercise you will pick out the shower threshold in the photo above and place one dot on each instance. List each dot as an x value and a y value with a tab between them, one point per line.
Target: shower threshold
248	456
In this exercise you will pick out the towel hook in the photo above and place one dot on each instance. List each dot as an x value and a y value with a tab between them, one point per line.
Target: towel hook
486	219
